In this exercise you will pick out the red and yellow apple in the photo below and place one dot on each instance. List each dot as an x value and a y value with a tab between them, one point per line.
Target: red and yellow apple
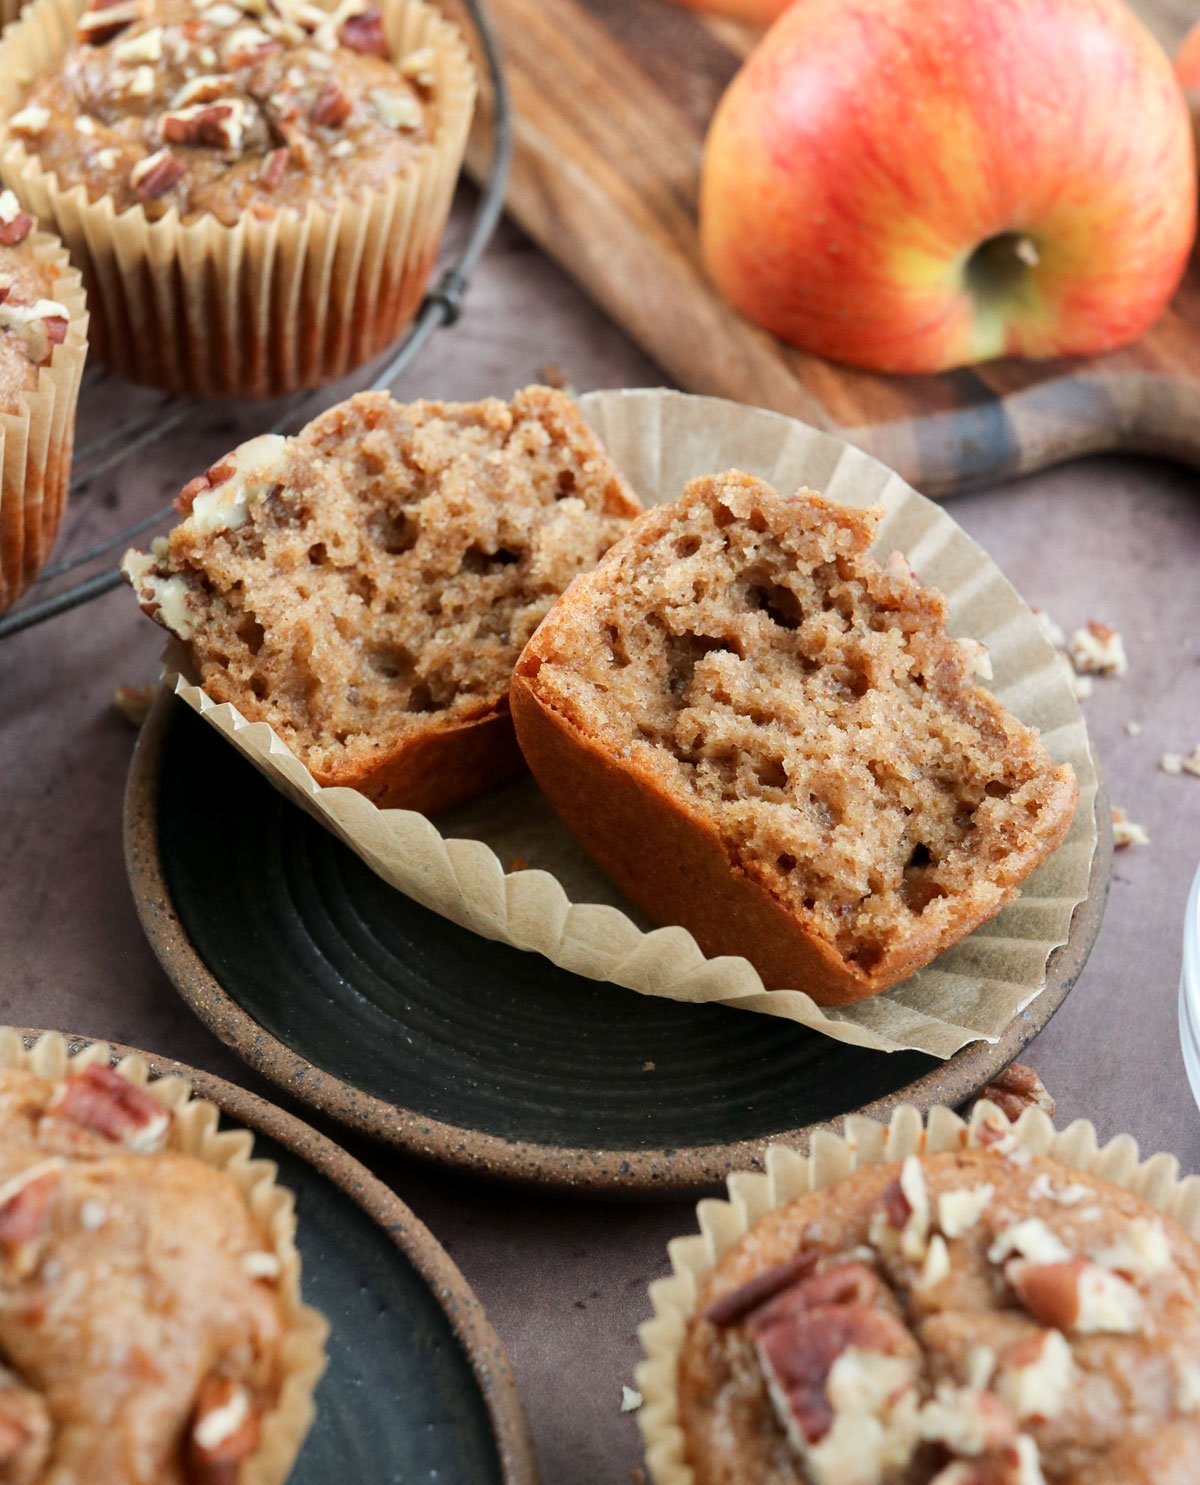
1187	62
911	185
759	11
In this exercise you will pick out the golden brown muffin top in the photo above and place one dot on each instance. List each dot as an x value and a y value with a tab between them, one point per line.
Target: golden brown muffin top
32	321
230	106
140	1324
983	1317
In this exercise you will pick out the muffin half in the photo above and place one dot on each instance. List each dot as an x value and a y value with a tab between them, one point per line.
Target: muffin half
367	586
765	736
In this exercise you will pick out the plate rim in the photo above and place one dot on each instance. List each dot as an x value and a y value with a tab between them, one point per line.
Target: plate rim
674	1171
458	1302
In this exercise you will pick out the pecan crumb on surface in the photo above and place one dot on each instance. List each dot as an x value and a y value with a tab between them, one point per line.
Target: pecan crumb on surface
1126	832
1098	649
631	1399
1016	1089
1180	763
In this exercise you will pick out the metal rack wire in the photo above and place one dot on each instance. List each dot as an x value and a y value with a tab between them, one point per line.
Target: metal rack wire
442	306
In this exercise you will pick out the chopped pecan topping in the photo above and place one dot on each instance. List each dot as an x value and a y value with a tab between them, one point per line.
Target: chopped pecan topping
1098	650
25	1205
225	1431
1036	1376
99	1099
275	168
155	175
1077	1295
246	45
967	1420
105	19
31	120
331	107
1016	1089
206	88
736	1305
364	33
842	1284
219	125
15	224
799	1351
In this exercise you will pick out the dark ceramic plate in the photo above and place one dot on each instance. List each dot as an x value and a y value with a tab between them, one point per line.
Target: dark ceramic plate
384	1015
418	1387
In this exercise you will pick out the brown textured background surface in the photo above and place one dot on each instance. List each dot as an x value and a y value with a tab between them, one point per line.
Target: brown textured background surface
564	1283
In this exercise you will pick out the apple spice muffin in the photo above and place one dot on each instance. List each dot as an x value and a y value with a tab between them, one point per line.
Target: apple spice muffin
977	1317
143	1331
229	107
367	586
255	189
41	362
763	735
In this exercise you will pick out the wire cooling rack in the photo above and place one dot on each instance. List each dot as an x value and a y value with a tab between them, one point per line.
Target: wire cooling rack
129	437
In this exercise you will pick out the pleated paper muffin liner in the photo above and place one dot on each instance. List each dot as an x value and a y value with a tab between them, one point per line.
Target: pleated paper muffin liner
194	1132
866	1142
561	905
266	306
37	438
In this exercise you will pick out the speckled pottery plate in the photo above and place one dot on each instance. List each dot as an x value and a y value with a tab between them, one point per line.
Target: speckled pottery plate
401	1024
418	1387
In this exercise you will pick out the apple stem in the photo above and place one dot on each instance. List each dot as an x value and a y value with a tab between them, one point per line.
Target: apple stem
1027	251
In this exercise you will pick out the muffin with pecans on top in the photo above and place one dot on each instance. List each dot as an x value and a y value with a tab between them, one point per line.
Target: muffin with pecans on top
979	1316
151	1328
255	189
43	343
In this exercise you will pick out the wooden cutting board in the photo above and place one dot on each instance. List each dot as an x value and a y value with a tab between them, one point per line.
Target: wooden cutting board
612	99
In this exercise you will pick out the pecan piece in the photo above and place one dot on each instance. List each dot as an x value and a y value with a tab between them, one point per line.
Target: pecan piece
1016	1089
1077	1295
275	167
798	1354
99	1099
364	33
219	125
15	224
850	1284
105	19
155	175
736	1305
225	1431
331	107
25	1205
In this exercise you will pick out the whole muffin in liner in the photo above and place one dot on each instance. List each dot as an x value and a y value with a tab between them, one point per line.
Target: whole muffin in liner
194	1131
789	1175
36	439
275	303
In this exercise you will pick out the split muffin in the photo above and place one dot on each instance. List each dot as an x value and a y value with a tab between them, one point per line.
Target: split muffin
982	1316
43	344
367	586
767	737
150	1325
255	191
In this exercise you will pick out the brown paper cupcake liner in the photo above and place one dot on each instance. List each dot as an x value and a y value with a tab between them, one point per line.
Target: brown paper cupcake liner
559	903
36	440
264	307
866	1142
195	1132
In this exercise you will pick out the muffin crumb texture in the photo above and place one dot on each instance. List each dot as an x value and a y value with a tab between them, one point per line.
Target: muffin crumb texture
140	1321
984	1317
374	579
742	656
